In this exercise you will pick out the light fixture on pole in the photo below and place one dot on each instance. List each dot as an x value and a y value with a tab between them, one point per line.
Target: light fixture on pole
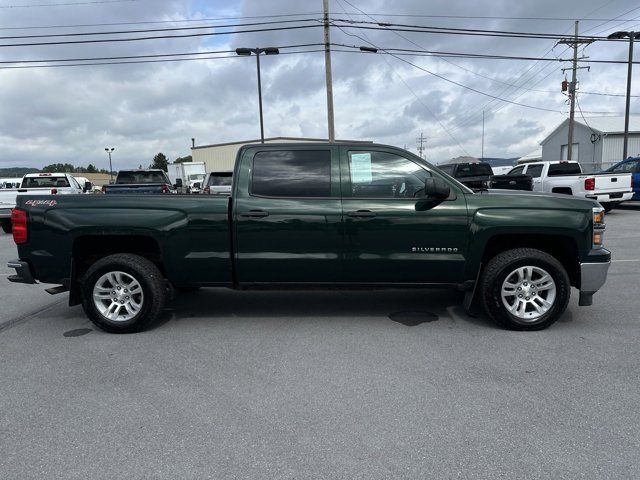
109	150
631	36
257	52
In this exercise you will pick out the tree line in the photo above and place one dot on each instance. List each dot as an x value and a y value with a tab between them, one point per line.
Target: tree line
160	161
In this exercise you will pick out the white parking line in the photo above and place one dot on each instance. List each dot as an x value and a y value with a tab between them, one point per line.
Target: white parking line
626	260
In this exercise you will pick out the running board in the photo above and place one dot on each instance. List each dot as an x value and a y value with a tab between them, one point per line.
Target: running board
57	290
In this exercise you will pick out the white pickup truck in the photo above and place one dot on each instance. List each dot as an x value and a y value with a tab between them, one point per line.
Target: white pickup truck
609	189
35	184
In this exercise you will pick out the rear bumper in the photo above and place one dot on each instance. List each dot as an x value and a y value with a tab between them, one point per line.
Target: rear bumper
5	213
612	197
23	272
593	275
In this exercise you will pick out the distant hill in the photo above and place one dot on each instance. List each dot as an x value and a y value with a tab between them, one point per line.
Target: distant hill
16	172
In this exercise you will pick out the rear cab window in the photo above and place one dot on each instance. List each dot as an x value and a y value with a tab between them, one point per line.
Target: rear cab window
559	169
473	170
46	181
220	179
132	178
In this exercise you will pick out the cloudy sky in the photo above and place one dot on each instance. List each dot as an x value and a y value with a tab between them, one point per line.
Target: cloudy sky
71	114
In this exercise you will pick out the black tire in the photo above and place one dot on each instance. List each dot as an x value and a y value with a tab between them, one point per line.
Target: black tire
608	206
145	273
6	226
499	269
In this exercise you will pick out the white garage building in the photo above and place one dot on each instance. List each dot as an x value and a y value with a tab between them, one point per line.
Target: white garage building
597	141
221	157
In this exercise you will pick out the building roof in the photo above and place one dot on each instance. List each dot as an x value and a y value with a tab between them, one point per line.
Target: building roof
272	139
605	125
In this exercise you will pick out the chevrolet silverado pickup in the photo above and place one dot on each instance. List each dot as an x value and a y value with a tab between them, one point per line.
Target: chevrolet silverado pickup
565	177
316	215
36	184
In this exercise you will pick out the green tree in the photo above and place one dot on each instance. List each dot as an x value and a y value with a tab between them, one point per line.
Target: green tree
183	159
91	168
160	161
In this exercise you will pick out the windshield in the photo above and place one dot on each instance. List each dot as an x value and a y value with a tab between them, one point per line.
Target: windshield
45	182
141	177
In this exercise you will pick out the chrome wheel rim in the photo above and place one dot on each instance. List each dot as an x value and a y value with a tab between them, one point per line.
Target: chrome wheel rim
528	293
118	296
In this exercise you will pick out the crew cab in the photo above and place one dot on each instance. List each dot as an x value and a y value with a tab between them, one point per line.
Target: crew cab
36	184
609	189
138	182
316	215
632	166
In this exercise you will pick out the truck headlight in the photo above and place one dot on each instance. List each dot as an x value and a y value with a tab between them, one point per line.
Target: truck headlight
598	227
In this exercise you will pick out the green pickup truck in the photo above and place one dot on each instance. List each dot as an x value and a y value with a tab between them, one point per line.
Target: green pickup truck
316	215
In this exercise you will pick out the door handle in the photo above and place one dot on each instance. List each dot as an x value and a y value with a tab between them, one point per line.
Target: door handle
255	214
361	214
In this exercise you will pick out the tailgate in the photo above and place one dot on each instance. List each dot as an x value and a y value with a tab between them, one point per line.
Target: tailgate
610	182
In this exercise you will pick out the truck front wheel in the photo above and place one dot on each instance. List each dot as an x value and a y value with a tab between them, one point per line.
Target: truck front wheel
123	293
525	289
6	226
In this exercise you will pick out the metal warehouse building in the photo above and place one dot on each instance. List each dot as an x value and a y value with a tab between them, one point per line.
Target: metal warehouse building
221	157
597	141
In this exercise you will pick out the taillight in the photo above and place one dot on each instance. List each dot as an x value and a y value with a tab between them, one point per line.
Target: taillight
207	190
19	225
104	189
589	183
54	191
165	189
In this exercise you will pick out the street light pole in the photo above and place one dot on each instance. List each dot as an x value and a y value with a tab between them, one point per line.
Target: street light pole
257	51
631	36
109	150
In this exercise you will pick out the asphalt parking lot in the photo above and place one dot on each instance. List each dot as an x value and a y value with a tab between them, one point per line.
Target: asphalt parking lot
324	385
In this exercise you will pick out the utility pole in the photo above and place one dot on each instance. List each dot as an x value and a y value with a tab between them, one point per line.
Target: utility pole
327	66
420	143
482	154
573	43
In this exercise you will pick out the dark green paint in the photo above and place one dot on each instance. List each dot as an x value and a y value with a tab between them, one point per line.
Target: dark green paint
304	241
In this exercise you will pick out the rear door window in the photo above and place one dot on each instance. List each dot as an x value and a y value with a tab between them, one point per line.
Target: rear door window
292	173
516	171
535	170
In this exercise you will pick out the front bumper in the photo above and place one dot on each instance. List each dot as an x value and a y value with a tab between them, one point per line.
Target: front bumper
23	272
593	276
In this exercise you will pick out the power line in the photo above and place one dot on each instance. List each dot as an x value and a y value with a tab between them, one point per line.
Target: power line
453	31
156	37
152	30
130	57
96	2
169	60
152	22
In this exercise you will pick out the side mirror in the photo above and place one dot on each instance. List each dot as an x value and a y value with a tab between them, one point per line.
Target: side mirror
178	183
436	188
88	186
196	185
436	191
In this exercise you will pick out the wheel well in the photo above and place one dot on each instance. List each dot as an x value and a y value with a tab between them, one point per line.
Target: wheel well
562	190
88	249
564	249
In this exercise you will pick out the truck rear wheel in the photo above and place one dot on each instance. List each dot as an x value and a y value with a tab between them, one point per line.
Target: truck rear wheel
123	293
6	226
525	289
